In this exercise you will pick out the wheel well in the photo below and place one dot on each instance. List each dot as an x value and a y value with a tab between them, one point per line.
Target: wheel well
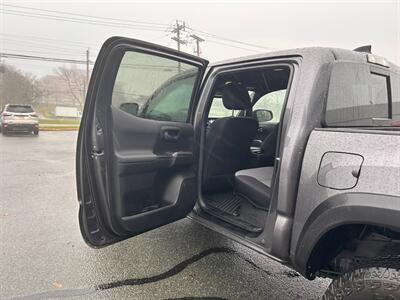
347	246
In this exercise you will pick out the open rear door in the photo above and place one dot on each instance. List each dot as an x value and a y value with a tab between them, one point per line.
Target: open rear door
135	146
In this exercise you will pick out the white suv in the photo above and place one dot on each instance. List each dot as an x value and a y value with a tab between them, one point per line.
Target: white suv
19	118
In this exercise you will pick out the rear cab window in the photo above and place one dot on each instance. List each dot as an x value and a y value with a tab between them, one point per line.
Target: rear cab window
19	109
362	95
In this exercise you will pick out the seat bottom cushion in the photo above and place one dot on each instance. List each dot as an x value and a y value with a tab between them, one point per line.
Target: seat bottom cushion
255	185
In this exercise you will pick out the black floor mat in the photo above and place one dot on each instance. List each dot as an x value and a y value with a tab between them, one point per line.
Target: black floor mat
235	210
226	202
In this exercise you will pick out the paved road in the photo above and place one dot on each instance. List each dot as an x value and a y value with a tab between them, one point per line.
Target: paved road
42	253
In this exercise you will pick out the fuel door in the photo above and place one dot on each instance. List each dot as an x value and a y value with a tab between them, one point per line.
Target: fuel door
339	170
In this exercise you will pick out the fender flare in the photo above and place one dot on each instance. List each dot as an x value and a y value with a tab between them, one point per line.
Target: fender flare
344	209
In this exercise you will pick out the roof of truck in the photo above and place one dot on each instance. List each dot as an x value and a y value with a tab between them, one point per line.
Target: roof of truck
312	52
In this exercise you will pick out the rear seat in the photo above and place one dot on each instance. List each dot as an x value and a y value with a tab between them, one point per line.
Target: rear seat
255	185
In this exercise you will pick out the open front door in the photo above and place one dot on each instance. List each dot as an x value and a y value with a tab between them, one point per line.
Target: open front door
135	146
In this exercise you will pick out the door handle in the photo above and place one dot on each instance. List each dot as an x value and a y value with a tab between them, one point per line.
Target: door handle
170	134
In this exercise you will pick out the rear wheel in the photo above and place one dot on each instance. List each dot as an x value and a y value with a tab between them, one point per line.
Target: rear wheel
366	283
36	131
4	131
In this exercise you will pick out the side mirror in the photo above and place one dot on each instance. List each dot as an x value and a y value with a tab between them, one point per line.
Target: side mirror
130	108
263	115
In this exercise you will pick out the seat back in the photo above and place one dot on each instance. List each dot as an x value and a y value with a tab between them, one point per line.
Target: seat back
228	141
268	147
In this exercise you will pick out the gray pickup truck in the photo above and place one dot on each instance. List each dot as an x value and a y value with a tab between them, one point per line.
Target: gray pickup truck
295	154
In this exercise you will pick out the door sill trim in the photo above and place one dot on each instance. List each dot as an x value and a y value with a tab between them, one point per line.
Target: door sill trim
235	237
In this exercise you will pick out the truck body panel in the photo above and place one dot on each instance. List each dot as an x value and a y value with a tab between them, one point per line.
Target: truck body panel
376	177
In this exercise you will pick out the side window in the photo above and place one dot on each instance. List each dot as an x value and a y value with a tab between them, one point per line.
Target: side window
171	102
273	102
154	87
359	95
395	84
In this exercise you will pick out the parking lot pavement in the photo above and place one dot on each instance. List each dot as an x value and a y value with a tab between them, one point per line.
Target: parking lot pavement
44	256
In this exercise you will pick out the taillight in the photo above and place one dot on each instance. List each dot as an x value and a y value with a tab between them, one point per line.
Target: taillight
34	115
395	123
6	114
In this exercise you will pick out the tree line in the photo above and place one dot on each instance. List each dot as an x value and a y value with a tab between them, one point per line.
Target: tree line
18	87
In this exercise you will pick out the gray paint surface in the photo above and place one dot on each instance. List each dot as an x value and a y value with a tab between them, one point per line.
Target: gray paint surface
379	174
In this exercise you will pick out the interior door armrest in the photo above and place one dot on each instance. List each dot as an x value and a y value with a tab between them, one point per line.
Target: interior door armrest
179	158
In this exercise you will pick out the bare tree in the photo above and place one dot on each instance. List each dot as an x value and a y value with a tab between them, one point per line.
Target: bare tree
18	87
75	80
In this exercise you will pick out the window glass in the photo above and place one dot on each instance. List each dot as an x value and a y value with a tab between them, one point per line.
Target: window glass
154	87
357	96
395	84
166	101
379	89
20	109
218	110
272	101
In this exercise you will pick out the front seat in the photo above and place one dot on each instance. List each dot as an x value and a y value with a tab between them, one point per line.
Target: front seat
228	140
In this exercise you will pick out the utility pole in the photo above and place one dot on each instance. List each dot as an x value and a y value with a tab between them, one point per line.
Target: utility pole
177	29
198	41
87	66
86	84
3	70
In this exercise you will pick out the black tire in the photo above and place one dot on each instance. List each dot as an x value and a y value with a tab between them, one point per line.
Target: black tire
4	131
36	132
366	283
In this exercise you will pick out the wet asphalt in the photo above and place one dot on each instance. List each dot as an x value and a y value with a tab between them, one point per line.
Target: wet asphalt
42	254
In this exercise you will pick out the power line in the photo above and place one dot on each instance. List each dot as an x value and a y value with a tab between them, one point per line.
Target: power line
232	46
48	49
227	39
88	16
85	62
47	40
39	45
139	25
121	23
80	20
42	58
161	37
42	52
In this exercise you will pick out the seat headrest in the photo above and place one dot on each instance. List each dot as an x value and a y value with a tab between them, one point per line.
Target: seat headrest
235	96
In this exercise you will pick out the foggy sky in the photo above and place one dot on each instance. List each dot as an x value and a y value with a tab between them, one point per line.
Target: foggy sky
275	25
